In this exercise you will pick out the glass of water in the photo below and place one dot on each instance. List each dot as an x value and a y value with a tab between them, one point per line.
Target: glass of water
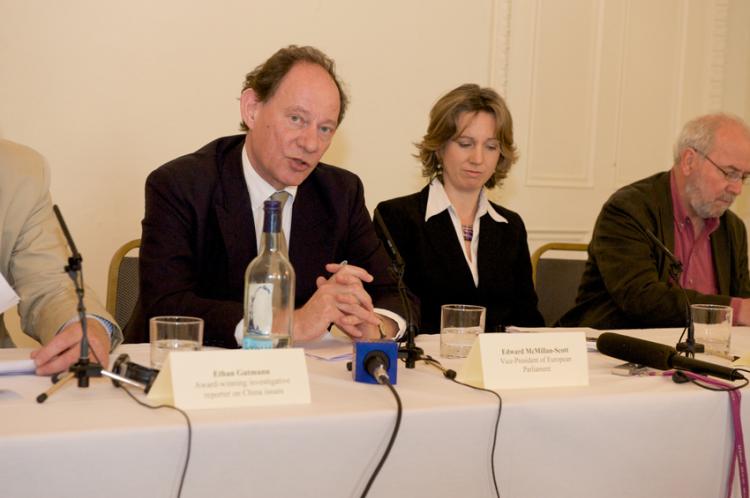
173	333
712	324
460	324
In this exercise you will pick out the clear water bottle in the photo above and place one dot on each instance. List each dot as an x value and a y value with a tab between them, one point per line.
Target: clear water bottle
269	288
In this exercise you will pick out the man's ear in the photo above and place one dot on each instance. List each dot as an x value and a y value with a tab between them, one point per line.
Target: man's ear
688	161
249	104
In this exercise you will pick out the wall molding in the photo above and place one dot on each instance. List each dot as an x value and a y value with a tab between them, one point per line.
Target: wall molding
500	45
716	54
541	235
585	177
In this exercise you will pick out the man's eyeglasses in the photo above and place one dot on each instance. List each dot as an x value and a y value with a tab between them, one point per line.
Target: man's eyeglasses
730	173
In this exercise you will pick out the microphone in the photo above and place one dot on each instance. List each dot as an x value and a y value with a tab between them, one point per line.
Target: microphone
690	347
410	353
390	245
659	356
375	362
66	233
676	262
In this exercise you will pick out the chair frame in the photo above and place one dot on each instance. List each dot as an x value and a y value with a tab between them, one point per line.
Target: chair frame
113	276
553	246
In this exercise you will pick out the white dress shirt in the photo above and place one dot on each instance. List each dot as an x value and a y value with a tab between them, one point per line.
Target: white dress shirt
260	190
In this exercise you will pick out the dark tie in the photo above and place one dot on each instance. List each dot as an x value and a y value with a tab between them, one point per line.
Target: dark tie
282	196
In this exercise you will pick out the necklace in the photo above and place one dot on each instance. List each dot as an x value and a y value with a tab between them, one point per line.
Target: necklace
468	232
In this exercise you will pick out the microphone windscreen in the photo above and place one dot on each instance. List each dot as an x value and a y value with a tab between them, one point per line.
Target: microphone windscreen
631	349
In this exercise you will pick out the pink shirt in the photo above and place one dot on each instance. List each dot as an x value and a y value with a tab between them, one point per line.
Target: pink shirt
695	254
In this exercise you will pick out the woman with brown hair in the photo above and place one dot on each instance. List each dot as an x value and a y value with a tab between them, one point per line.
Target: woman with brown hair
459	247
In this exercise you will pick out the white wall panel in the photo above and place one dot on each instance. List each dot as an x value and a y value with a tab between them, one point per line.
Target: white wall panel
652	62
599	90
562	79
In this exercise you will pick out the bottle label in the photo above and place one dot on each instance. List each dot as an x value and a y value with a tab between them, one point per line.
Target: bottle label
260	308
250	342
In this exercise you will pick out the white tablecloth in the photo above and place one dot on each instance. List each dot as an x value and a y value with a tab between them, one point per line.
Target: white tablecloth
617	437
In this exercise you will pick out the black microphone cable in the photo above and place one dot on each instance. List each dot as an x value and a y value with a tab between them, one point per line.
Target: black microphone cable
450	374
386	381
156	407
189	426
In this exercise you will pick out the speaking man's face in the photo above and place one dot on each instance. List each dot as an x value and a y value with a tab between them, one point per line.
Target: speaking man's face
291	131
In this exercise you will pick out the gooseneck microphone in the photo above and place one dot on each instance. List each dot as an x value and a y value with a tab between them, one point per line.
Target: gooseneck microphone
676	263
689	347
390	245
659	356
409	351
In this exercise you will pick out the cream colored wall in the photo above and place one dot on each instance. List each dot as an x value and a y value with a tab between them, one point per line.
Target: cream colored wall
737	76
109	90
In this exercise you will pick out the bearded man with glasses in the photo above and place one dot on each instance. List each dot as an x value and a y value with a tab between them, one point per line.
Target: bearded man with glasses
627	281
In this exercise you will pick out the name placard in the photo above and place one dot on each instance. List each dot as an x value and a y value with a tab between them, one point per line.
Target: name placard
220	379
516	361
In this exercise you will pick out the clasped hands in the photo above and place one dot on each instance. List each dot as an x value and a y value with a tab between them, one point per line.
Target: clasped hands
342	300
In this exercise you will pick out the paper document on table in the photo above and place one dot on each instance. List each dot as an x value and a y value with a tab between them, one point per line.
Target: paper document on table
328	348
8	297
17	367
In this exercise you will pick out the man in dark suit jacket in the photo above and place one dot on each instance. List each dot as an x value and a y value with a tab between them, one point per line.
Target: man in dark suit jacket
199	230
627	281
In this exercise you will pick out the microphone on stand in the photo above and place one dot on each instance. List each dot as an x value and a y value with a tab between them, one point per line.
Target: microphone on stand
84	368
659	356
689	347
390	245
676	266
410	352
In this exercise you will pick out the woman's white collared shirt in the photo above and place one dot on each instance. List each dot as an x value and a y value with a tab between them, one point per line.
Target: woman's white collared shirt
437	202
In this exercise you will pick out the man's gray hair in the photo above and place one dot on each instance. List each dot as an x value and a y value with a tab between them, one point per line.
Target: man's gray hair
699	133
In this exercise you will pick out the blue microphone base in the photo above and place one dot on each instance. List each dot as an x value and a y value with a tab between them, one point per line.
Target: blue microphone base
361	351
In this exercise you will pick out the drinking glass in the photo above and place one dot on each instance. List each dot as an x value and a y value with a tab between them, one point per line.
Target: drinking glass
173	333
460	324
712	324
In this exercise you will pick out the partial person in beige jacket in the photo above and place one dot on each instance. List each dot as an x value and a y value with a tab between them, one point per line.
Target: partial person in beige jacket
33	255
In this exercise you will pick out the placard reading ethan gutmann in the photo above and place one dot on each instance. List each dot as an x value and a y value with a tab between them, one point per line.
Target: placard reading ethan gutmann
514	361
220	379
